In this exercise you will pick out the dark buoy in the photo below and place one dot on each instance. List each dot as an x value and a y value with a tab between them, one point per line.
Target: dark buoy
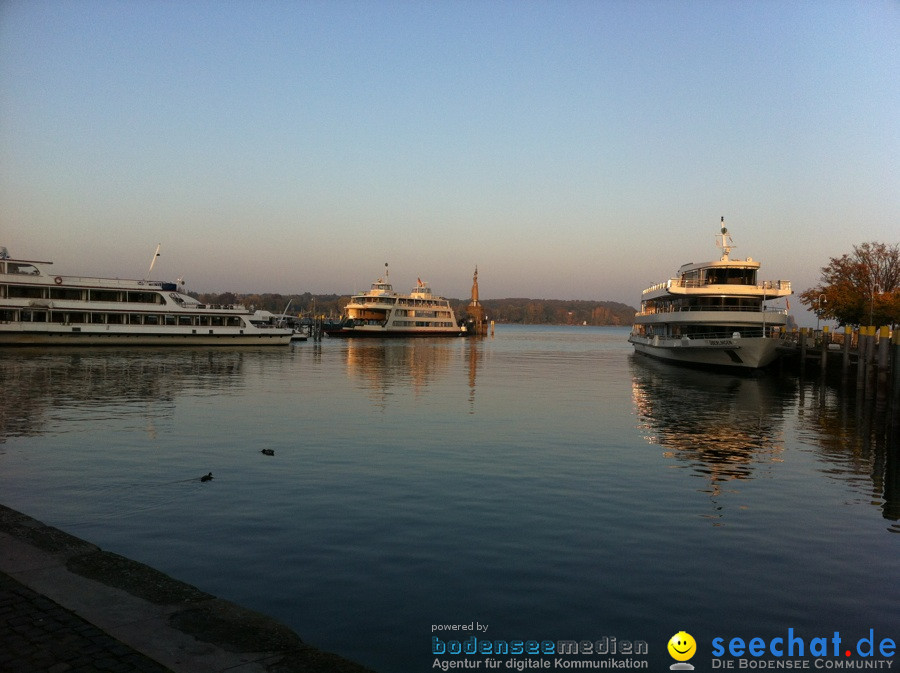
268	452
206	477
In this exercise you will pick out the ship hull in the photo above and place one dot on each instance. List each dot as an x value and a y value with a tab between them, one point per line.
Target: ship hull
736	353
12	335
381	333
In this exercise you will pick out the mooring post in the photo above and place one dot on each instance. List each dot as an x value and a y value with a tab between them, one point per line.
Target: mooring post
802	350
862	342
895	386
884	342
848	337
825	341
870	363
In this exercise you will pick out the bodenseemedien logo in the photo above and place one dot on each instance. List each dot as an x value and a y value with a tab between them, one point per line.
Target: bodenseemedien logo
682	647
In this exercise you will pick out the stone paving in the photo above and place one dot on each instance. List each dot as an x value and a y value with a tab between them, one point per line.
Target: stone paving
67	605
36	634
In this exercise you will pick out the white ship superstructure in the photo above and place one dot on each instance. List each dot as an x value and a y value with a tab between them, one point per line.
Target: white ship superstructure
382	312
712	313
40	308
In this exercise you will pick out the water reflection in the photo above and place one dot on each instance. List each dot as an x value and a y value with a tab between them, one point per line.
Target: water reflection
849	433
473	351
382	364
39	386
728	428
725	428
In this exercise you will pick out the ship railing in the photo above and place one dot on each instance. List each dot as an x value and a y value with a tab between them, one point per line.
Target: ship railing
729	309
731	334
696	283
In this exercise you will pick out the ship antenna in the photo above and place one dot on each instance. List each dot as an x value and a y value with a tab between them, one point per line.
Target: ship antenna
725	242
153	260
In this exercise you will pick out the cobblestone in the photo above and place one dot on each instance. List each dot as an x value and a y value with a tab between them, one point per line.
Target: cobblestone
36	634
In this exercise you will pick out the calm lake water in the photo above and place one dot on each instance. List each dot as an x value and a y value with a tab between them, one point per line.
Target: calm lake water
546	482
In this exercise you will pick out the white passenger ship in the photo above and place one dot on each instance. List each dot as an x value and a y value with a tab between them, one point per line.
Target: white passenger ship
39	308
712	313
381	312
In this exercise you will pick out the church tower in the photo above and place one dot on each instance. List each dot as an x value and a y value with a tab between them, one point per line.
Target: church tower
476	323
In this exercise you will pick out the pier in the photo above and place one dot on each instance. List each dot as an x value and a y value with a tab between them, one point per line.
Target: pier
867	360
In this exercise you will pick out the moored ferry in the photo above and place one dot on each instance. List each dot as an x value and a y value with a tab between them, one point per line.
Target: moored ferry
712	313
382	312
40	308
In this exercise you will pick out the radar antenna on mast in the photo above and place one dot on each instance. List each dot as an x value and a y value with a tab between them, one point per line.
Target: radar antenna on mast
724	241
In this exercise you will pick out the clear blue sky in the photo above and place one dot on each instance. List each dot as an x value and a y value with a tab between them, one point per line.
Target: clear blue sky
580	150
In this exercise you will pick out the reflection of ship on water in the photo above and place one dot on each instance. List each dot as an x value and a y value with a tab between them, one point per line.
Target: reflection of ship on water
39	385
725	427
383	365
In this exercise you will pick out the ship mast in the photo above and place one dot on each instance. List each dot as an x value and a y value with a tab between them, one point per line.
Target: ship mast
724	241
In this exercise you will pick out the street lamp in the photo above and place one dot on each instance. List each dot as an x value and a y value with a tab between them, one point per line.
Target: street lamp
872	303
819	301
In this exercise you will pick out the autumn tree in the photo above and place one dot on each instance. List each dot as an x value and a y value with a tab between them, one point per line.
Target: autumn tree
862	288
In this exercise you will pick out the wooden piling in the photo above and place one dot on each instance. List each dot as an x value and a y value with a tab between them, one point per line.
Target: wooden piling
848	338
895	385
870	362
884	353
802	349
861	344
823	362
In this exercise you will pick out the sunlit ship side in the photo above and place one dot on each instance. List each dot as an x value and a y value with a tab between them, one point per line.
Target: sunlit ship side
381	312
712	313
38	308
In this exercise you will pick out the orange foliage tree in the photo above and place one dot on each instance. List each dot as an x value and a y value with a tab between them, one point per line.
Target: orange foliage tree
862	288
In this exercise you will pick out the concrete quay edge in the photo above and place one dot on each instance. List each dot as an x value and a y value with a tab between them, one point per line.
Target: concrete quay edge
174	624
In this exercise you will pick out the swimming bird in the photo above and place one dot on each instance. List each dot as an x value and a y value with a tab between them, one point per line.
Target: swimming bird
268	452
206	477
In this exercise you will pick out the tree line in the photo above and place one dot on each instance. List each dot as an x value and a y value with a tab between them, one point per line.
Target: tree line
513	310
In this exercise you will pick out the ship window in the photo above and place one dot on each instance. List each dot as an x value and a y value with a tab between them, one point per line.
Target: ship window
731	276
66	293
143	297
17	291
104	295
13	267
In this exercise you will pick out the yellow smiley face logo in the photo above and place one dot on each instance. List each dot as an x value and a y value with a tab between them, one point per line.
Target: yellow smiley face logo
682	646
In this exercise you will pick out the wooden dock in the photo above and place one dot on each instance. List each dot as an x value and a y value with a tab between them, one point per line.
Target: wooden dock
868	355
